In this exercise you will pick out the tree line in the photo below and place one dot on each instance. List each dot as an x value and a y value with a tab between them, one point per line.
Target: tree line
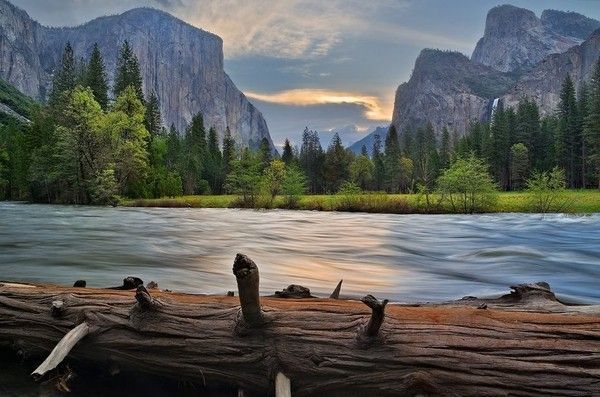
90	144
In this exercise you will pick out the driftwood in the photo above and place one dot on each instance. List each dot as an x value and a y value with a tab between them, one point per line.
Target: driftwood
523	343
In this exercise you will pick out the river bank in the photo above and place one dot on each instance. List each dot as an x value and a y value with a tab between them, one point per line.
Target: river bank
571	201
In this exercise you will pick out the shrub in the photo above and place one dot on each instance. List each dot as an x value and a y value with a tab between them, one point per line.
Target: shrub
546	191
467	186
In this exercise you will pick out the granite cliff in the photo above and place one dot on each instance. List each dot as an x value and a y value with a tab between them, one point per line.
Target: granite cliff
181	63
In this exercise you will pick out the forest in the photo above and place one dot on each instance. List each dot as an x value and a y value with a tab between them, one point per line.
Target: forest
90	144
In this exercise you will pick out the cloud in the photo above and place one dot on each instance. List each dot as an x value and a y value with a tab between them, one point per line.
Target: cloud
373	107
290	29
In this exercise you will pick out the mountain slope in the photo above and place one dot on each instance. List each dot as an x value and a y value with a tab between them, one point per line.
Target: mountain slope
519	55
15	104
181	63
448	90
516	38
369	139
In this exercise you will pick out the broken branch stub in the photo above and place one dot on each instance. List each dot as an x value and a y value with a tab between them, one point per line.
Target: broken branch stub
143	297
336	292
371	330
246	274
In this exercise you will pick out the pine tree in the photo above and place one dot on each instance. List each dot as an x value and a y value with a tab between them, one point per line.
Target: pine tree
64	76
265	153
378	162
152	118
194	156
582	112
96	77
568	132
337	164
228	152
128	72
392	155
288	153
213	168
312	160
592	122
445	149
173	155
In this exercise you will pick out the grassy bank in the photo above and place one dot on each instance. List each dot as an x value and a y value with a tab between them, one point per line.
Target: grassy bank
572	201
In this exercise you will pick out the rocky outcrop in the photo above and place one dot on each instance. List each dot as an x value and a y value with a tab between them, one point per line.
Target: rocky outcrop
515	38
448	90
181	63
520	55
543	83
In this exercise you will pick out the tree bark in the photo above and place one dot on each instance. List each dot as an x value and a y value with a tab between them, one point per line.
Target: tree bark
524	343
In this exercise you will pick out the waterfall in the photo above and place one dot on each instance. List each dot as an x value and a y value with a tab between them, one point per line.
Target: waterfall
494	106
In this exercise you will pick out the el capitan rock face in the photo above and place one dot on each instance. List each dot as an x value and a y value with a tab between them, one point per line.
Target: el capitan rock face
520	55
181	63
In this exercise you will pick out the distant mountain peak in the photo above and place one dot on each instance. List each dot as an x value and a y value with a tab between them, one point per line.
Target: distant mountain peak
515	38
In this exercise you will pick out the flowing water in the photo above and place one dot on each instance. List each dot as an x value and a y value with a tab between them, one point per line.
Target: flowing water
400	257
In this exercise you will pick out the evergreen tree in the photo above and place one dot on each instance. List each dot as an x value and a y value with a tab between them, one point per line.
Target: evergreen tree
65	76
337	164
582	113
425	157
194	156
152	118
379	165
364	151
128	72
312	160
213	169
96	79
519	165
568	133
265	153
288	153
592	123
445	149
228	152
173	156
392	155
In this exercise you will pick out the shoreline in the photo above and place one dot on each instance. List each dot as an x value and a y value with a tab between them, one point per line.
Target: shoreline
574	202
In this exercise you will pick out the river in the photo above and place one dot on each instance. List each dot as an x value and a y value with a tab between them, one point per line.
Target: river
405	258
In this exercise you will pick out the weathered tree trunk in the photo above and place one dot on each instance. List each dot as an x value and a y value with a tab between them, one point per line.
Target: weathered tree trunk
525	343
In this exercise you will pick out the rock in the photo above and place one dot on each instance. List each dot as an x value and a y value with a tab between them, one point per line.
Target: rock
79	284
519	55
181	63
152	285
294	291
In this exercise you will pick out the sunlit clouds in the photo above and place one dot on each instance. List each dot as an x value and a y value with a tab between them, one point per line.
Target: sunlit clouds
373	107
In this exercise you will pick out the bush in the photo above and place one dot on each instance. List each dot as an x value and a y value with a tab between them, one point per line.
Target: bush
467	186
293	186
546	191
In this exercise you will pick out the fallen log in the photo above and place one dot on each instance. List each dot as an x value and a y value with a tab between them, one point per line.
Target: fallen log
524	343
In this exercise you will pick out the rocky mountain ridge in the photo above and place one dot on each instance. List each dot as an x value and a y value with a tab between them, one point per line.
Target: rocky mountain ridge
182	64
451	90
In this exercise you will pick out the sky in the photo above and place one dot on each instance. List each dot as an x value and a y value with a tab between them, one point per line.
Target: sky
329	65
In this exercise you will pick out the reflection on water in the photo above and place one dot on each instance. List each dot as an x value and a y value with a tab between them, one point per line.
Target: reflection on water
401	257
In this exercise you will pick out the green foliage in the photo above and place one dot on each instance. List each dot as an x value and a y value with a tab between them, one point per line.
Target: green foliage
467	186
337	163
361	171
592	124
274	175
293	186
16	100
104	189
245	178
96	79
128	72
519	165
288	153
312	160
546	190
64	76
